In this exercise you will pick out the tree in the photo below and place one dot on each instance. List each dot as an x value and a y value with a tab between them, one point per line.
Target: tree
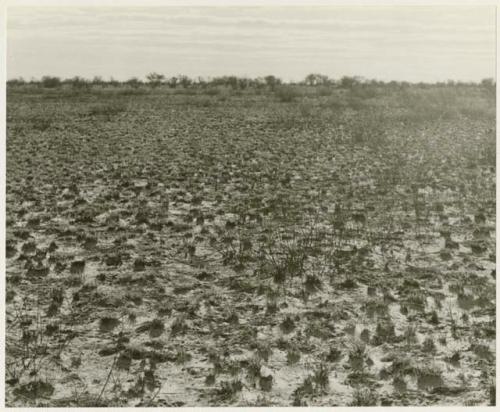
200	81
316	79
155	79
272	81
113	82
348	82
97	81
232	81
133	82
184	81
243	83
172	82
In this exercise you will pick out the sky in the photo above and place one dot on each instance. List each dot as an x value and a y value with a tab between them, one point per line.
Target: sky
412	43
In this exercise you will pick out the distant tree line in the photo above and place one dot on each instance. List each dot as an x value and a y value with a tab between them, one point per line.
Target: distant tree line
155	80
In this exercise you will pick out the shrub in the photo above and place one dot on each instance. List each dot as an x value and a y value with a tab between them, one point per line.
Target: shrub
316	79
272	81
41	122
16	82
155	79
133	82
212	91
286	94
107	110
78	83
50	82
324	90
348	82
488	83
364	397
369	130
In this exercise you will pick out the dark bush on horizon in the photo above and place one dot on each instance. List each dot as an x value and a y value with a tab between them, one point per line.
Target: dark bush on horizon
50	82
78	83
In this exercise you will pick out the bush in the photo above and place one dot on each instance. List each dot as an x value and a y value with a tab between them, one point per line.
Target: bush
364	92
213	91
369	129
41	123
133	82
50	82
155	79
286	94
107	110
16	82
324	90
307	108
364	397
78	83
488	83
348	82
202	101
131	91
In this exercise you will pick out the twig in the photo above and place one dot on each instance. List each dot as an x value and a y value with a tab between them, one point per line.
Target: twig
107	379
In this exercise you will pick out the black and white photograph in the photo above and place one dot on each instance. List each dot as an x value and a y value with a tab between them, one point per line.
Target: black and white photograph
249	204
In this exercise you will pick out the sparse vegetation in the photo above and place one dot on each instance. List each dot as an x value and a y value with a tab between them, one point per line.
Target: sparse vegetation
239	241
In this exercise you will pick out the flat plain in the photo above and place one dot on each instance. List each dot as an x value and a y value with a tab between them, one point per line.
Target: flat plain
297	245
